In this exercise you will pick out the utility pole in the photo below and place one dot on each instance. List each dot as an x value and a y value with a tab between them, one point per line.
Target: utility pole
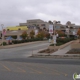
2	33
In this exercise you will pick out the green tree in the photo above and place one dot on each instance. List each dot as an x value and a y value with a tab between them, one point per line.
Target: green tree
50	22
32	33
61	33
24	35
40	34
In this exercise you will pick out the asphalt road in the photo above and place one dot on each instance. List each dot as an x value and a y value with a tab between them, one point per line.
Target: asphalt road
16	65
23	51
38	69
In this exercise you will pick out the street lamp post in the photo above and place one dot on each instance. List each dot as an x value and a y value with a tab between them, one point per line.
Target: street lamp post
2	33
67	31
54	35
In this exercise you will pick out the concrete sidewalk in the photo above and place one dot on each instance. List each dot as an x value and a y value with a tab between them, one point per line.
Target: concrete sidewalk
62	51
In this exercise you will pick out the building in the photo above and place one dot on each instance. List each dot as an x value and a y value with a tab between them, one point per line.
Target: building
14	28
36	23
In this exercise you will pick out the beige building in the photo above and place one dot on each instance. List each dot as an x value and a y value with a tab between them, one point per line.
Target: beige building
36	23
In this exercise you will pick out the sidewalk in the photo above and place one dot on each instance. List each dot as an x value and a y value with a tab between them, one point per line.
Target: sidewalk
61	53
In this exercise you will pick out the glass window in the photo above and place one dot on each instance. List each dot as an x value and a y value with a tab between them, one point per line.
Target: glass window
42	24
57	27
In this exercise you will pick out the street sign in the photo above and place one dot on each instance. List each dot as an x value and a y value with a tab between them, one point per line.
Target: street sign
67	30
50	28
4	31
36	32
54	39
74	33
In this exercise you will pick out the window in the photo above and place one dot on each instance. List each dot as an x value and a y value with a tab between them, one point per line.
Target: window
57	27
42	24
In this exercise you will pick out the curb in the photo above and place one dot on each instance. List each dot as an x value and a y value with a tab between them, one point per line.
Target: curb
57	56
19	45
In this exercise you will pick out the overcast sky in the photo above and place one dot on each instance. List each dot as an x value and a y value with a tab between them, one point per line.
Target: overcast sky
13	12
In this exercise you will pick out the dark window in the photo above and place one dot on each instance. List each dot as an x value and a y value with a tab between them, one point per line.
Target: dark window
42	24
57	27
7	29
19	29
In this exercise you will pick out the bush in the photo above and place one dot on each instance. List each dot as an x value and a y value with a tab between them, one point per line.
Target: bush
4	43
15	42
26	40
58	44
61	41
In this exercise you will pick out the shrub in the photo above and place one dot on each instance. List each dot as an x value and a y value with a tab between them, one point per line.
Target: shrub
4	43
15	42
26	40
15	37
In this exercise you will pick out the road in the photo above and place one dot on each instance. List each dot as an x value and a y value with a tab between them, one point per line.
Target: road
16	65
23	51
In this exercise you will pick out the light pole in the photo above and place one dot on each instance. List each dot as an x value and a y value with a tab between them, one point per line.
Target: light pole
67	31
2	33
54	35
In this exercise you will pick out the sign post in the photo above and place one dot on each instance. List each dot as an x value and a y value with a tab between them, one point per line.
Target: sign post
50	31
67	32
2	33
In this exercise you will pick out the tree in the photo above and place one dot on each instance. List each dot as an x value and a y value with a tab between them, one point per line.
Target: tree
50	22
68	23
61	33
78	33
24	35
32	33
40	35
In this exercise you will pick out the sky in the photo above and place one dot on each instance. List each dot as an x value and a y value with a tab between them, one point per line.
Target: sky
13	12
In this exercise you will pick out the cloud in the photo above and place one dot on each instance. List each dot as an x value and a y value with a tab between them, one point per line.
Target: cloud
13	12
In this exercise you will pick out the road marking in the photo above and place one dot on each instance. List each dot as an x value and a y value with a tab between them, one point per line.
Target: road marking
56	71
21	69
5	67
29	66
65	74
44	68
36	70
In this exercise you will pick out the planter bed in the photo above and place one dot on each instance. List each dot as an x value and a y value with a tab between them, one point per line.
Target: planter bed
74	51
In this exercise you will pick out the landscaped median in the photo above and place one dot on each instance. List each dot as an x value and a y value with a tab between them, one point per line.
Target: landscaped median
57	56
61	43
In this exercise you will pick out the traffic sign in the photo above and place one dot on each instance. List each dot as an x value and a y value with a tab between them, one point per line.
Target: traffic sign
50	28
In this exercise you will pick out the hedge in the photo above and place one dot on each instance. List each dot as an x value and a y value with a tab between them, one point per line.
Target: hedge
26	40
